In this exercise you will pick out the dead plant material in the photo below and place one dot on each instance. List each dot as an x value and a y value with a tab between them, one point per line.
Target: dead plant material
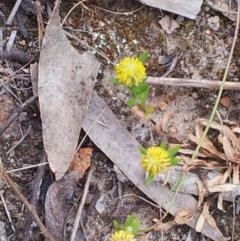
164	227
56	208
205	216
209	84
81	161
29	206
21	108
184	216
34	198
39	21
80	209
165	121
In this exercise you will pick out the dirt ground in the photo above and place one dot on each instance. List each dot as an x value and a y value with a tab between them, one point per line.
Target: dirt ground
203	46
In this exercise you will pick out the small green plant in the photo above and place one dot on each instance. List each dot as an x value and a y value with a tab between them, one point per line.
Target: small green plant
132	73
156	159
127	232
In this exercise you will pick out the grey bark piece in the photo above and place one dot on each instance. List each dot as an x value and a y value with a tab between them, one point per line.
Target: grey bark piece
56	206
65	85
186	8
119	145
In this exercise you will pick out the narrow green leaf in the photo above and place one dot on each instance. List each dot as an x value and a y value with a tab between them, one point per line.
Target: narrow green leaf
132	225
149	179
129	221
131	102
143	57
114	81
149	111
173	151
143	87
136	227
137	90
163	145
175	161
116	225
142	150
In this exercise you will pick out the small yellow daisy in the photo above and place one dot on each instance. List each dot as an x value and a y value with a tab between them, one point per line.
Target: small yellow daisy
122	235
130	71
156	160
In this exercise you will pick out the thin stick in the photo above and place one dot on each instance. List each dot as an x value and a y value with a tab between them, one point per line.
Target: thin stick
65	18
95	121
28	167
117	13
210	84
39	21
14	11
80	209
7	212
20	141
36	184
22	108
30	207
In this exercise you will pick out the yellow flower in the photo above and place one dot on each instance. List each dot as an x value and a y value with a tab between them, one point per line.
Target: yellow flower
130	71
156	160
122	235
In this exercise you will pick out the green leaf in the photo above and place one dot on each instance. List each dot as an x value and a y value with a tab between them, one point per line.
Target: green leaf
149	111
129	221
132	225
175	161
116	225
142	150
163	145
136	90
173	151
114	81
149	179
143	57
131	102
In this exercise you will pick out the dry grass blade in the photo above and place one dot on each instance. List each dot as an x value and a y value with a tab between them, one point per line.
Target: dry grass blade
205	215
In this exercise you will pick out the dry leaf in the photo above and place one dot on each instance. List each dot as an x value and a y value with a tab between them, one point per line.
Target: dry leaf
168	24
81	161
184	216
165	121
187	8
139	113
228	150
220	202
208	216
164	227
145	237
158	127
235	169
202	191
208	146
205	215
227	187
225	101
65	86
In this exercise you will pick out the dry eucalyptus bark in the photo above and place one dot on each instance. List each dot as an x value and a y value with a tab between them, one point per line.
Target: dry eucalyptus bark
56	204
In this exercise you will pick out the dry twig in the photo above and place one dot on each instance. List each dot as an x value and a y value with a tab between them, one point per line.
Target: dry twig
22	108
210	84
80	209
34	198
14	11
30	207
39	21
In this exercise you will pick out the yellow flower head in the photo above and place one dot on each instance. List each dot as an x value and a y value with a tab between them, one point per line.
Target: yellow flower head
156	160
122	235
130	71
